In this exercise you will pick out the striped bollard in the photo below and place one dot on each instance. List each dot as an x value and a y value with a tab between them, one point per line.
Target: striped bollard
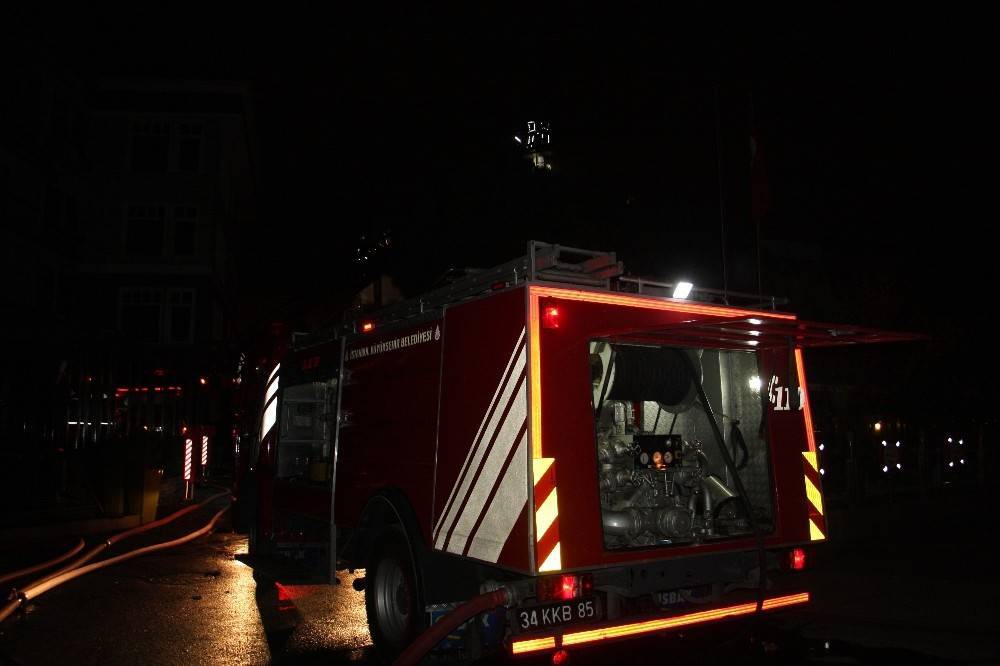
204	456
188	469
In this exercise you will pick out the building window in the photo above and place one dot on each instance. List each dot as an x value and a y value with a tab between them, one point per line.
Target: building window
185	230
159	146
144	227
189	145
155	315
150	146
180	316
140	312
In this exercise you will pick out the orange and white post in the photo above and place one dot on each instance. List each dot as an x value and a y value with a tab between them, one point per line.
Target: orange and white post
188	469
204	456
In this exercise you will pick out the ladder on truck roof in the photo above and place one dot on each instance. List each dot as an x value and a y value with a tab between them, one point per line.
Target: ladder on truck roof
544	262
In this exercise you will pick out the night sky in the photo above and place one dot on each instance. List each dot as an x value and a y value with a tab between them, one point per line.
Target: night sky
872	139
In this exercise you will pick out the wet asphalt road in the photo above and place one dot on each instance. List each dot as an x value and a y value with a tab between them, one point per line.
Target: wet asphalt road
199	604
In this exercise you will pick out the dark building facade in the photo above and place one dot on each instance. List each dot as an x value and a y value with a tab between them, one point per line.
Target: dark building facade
119	211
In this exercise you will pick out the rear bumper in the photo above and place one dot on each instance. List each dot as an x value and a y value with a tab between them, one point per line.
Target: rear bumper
618	629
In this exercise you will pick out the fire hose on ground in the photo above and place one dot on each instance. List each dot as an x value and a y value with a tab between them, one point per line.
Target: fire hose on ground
440	629
76	568
42	566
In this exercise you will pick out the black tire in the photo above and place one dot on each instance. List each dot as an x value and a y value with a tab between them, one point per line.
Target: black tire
393	601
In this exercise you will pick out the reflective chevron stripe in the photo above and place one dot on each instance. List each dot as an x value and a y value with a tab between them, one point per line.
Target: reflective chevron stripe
547	550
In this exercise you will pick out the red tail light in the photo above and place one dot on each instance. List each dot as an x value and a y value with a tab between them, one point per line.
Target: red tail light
550	317
564	587
797	559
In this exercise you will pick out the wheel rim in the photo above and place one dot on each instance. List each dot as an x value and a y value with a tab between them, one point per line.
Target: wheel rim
392	601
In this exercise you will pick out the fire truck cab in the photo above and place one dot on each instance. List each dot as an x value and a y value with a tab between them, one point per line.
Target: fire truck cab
622	461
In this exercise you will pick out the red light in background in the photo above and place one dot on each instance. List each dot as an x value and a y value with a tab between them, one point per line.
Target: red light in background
550	316
367	327
797	559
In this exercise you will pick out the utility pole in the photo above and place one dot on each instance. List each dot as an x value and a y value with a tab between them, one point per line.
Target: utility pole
722	196
756	218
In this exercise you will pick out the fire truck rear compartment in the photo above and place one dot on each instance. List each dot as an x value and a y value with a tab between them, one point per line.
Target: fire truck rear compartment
662	478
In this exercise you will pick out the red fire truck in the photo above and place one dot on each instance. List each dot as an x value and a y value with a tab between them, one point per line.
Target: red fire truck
620	461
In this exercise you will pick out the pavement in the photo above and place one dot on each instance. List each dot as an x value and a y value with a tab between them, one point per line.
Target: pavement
913	583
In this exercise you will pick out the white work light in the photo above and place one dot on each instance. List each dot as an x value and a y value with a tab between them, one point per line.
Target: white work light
682	289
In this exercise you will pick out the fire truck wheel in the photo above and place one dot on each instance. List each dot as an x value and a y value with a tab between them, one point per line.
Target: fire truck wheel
392	599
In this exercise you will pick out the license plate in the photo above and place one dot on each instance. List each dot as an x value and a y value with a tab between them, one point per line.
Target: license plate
553	615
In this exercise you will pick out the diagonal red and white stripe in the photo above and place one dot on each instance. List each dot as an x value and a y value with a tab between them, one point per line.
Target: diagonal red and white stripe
492	487
547	550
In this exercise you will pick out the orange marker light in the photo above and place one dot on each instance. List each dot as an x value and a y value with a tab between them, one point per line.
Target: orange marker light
652	303
367	327
533	645
535	373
